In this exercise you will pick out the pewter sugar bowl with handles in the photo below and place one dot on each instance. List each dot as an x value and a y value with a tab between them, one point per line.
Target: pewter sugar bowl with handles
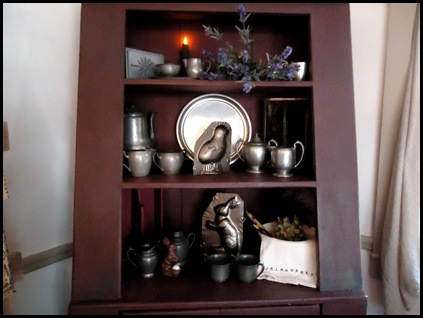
284	159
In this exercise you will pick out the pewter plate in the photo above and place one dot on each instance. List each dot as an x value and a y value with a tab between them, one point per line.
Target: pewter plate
197	115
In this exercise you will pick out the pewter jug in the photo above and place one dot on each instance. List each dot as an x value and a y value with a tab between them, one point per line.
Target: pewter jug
145	260
138	131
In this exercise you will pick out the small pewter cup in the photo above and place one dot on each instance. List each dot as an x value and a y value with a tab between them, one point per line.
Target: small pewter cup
220	265
248	267
301	74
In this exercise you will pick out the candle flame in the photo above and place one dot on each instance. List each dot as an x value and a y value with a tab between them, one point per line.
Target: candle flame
185	42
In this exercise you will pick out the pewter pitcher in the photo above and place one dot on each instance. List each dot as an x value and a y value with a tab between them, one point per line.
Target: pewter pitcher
138	131
145	260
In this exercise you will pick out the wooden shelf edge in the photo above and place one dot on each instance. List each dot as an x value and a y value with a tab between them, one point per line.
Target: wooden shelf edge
228	180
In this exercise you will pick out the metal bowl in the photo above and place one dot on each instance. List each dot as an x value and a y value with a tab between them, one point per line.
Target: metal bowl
168	69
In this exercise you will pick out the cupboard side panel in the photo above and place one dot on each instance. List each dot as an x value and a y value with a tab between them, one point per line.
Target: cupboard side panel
98	175
336	157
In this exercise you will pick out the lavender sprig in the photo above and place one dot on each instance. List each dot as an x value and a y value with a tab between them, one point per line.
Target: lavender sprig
229	64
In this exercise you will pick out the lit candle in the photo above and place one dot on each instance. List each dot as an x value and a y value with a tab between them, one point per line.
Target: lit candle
185	49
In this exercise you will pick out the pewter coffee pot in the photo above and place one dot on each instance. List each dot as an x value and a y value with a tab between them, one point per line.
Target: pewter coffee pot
138	131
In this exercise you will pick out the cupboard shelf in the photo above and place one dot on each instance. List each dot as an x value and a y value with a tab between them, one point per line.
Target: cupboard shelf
228	180
166	292
184	81
205	86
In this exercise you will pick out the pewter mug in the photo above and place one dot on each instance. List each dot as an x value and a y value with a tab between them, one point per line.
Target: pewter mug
248	267
284	159
183	244
194	66
138	131
220	265
254	154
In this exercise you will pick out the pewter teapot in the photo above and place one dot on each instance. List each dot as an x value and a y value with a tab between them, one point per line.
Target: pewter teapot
138	131
183	244
254	154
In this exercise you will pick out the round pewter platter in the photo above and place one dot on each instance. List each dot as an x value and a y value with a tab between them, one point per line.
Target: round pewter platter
201	111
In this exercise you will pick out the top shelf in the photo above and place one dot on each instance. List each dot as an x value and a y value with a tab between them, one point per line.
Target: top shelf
196	85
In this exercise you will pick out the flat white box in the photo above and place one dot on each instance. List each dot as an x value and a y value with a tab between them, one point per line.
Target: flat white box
141	64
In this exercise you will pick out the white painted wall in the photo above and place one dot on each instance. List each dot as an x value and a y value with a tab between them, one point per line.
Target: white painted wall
40	79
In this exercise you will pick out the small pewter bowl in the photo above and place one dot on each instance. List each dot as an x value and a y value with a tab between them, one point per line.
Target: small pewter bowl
302	73
168	69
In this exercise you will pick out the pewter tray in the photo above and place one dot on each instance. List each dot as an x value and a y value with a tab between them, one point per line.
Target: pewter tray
197	115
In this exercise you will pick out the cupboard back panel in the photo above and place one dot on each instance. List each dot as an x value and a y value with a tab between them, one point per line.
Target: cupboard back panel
163	33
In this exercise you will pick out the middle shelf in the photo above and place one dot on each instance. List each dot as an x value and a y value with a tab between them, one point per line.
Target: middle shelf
231	179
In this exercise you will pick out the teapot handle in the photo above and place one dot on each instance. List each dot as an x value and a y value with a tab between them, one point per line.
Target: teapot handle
157	156
191	239
269	143
238	146
206	65
129	257
126	156
151	132
302	152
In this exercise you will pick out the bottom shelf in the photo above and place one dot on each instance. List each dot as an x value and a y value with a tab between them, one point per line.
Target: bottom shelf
194	292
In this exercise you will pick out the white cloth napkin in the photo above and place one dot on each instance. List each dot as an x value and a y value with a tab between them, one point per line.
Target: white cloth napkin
289	262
